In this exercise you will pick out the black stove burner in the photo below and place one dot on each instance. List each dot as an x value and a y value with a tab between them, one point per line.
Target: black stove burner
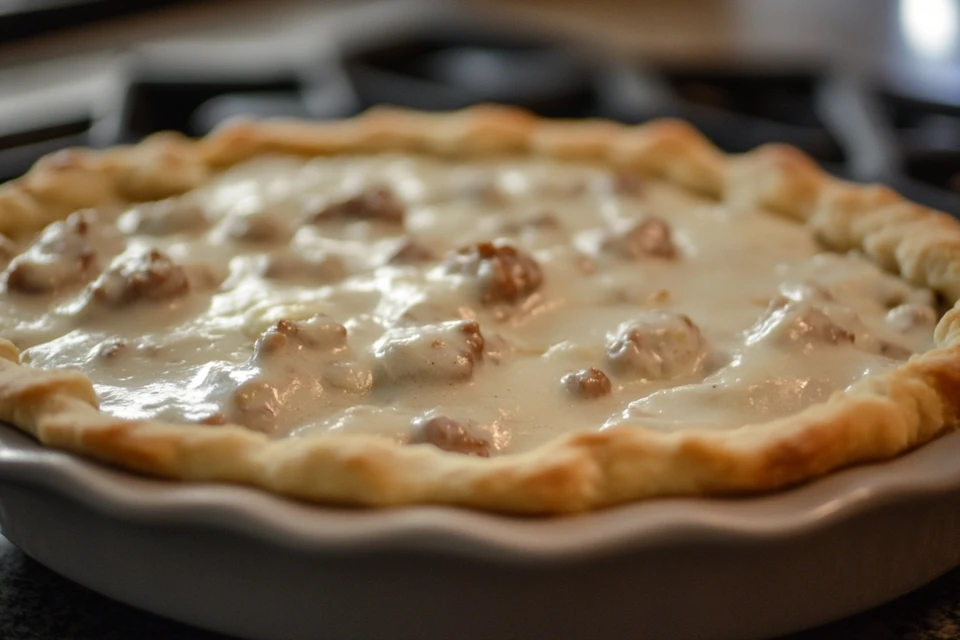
451	68
25	18
740	111
194	107
853	129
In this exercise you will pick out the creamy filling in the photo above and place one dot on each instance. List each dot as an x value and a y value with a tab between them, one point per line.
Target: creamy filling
483	306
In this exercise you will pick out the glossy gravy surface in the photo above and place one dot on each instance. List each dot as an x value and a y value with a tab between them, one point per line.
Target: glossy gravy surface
482	306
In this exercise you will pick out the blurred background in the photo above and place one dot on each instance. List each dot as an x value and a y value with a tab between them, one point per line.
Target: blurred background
870	88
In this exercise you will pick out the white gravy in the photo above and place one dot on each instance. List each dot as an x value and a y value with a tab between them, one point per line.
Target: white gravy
772	323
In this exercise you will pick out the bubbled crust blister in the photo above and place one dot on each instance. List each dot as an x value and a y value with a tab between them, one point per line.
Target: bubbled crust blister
878	417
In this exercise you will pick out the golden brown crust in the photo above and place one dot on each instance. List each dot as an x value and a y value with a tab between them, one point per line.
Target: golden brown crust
879	417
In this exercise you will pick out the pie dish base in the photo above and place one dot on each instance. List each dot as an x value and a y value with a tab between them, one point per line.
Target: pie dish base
245	563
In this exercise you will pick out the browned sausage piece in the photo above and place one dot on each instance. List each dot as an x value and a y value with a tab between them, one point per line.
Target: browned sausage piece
151	276
648	238
65	254
318	332
376	203
657	344
587	383
412	252
446	351
295	361
261	227
799	321
504	272
257	404
450	435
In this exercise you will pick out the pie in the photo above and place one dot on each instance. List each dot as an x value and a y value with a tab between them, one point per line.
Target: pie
480	308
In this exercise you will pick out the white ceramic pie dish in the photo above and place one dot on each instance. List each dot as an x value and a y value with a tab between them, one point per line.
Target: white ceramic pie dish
246	563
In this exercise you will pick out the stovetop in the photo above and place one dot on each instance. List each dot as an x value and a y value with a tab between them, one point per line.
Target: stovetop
852	126
27	18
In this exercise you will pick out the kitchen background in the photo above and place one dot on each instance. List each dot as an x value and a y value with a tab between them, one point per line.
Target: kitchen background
869	88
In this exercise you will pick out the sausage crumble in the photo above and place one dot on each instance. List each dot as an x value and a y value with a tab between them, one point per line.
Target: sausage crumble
446	351
791	321
319	332
412	252
504	272
65	254
657	345
378	204
257	404
587	383
151	276
648	238
261	227
449	435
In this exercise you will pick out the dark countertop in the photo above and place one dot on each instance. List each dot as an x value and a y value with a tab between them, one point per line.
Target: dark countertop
37	604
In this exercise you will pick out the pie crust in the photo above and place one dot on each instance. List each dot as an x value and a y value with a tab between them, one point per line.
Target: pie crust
876	418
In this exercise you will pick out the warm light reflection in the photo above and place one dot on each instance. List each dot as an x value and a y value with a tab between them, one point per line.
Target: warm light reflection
930	27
